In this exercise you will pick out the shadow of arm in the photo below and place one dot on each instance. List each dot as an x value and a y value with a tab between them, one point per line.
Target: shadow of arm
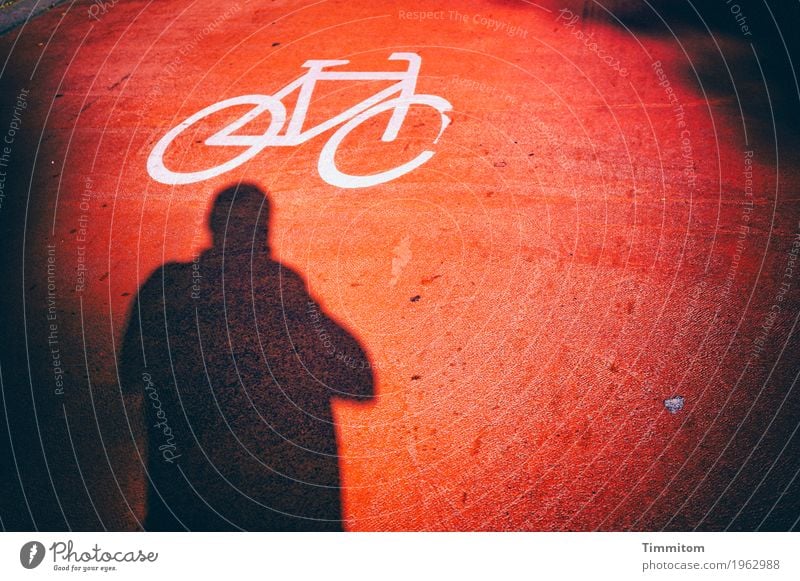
327	351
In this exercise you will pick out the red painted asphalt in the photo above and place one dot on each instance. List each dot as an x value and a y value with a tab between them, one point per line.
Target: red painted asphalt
599	229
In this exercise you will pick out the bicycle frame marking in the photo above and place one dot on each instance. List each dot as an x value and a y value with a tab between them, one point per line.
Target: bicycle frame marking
294	135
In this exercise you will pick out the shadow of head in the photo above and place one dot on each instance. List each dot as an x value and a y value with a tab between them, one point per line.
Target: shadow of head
239	217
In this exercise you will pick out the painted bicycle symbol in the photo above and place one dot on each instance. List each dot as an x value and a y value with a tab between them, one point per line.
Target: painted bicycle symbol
398	98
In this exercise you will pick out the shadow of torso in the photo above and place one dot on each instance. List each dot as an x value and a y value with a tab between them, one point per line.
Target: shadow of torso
238	367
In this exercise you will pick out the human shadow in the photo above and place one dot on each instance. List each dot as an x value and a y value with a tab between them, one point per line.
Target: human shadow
236	367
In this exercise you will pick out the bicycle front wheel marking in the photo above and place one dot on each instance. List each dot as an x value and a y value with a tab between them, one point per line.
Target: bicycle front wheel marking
327	164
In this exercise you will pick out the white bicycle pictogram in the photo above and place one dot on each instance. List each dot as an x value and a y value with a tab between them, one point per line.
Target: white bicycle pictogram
294	135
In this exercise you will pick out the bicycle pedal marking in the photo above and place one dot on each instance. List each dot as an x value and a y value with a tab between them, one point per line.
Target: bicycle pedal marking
289	132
